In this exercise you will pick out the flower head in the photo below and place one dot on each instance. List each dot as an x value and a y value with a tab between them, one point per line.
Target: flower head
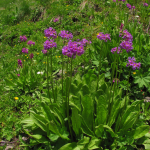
44	51
31	43
129	6
16	98
56	19
23	38
31	55
19	63
50	33
66	35
25	50
104	37
133	64
49	44
113	50
145	4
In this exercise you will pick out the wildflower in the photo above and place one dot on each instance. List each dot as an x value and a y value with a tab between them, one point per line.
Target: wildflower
49	44
43	62
18	75
10	79
59	56
44	51
56	56
31	55
116	79
31	43
121	26
133	7
113	50
114	0
134	72
129	6
56	19
126	45
20	63
27	57
65	35
133	64
40	73
104	37
23	38
37	53
145	4
24	50
16	98
50	32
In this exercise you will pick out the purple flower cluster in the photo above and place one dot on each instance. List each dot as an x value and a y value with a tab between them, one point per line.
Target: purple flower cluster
44	51
113	50
31	43
129	6
83	42
126	45
31	55
65	35
121	26
50	32
56	19
133	64
49	44
23	38
19	63
72	49
104	37
145	4
127	36
25	50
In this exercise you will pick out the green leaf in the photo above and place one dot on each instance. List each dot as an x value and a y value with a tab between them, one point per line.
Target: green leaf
147	146
141	131
114	111
101	110
76	121
87	113
85	128
69	146
46	110
94	143
81	144
40	121
142	81
110	130
85	90
9	83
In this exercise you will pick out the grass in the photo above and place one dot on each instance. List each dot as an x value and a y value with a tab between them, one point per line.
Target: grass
84	19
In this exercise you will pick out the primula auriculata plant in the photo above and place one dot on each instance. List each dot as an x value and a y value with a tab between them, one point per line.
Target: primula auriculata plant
85	112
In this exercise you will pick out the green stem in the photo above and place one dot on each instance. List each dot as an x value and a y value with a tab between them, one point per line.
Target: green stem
69	122
62	74
127	89
52	78
99	68
48	81
111	103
